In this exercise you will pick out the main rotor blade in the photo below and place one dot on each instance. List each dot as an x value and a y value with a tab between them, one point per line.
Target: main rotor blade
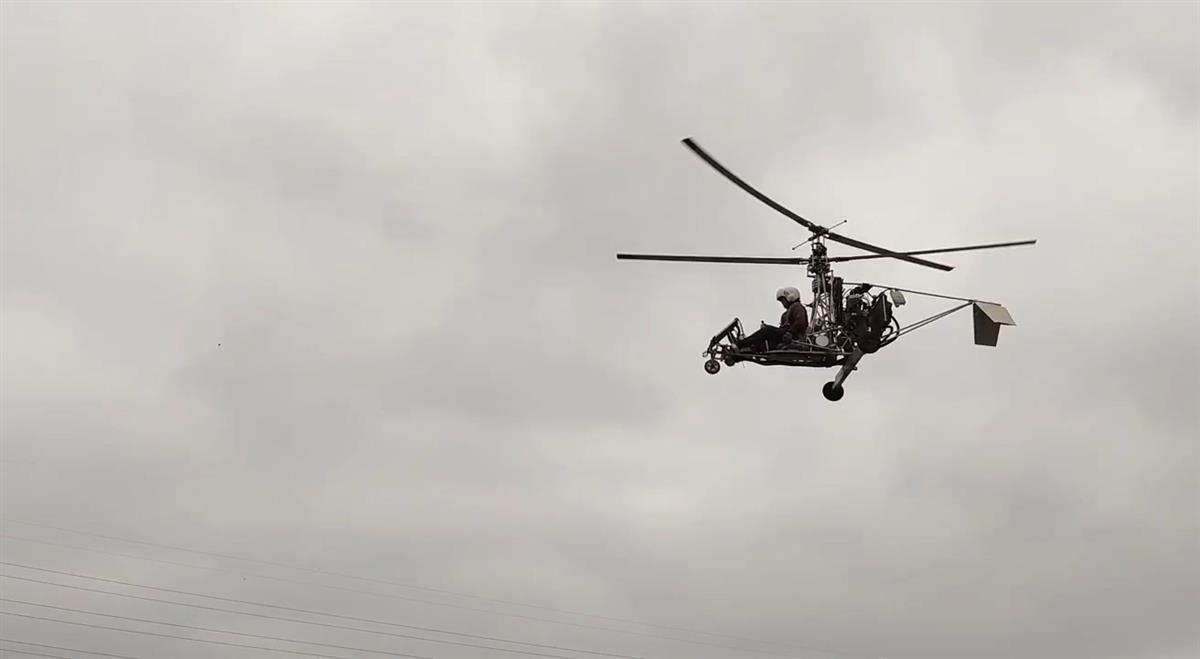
887	253
712	162
713	259
841	259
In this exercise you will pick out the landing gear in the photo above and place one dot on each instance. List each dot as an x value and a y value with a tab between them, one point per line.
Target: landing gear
712	367
833	392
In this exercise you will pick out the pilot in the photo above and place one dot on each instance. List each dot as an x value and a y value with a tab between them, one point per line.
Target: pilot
792	325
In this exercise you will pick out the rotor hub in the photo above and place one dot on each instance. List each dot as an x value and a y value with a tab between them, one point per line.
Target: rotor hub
818	262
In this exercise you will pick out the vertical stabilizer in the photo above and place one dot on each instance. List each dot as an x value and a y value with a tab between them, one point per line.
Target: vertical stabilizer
988	319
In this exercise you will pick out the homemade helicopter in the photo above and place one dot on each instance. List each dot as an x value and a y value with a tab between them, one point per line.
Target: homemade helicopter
848	319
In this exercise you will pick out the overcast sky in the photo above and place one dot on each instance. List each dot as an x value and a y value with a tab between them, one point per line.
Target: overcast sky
332	285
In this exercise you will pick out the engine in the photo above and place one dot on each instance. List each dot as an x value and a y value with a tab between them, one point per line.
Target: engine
867	318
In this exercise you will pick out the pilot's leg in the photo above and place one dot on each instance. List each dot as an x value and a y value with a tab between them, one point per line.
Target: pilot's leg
760	340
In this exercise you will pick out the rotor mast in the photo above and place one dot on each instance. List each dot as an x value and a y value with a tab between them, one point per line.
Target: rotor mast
824	305
818	262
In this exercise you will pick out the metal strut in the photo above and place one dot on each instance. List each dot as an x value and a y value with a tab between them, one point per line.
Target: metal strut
848	366
922	323
906	290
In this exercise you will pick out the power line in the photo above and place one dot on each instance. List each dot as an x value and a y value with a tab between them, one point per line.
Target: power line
578	625
334	574
55	647
388	595
181	638
310	622
27	653
429	589
261	636
250	614
8	536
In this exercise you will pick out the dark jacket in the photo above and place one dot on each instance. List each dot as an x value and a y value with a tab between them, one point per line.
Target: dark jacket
795	320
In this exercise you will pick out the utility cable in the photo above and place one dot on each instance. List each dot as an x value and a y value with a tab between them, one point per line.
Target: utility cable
55	647
264	637
579	625
27	653
319	624
439	590
393	624
757	652
183	638
286	640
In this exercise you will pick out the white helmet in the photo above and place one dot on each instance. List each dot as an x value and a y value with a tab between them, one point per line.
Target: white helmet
788	293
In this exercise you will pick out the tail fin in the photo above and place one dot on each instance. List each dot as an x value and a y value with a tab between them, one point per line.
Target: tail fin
988	319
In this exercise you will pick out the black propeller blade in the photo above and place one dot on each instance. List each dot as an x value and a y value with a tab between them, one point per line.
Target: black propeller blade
712	259
842	259
817	229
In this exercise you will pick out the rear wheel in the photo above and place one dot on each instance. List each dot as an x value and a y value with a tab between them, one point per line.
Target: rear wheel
833	393
712	366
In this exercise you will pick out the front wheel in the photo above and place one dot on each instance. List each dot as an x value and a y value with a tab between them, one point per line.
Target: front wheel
833	393
712	366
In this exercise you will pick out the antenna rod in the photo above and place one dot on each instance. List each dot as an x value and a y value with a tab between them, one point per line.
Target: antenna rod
815	234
